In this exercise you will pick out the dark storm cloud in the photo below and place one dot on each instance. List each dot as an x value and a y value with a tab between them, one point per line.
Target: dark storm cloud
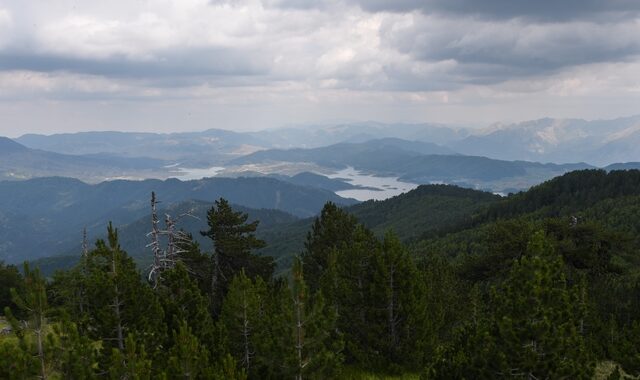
539	10
173	63
304	45
495	51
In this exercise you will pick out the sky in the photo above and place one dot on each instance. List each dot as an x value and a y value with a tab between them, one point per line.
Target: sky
142	65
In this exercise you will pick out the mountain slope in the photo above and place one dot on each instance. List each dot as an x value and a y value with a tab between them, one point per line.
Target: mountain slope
599	142
18	162
424	210
192	149
57	209
412	166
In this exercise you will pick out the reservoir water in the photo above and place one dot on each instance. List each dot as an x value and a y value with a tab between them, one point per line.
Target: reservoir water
386	187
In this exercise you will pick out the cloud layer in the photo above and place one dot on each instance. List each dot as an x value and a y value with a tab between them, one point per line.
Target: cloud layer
292	61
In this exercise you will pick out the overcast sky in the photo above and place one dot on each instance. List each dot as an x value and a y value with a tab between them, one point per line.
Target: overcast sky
247	64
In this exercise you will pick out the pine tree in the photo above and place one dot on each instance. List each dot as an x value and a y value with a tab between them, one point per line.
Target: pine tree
17	361
10	277
74	355
188	359
240	319
316	356
531	330
535	322
234	240
351	293
130	363
183	303
34	306
398	308
333	229
119	302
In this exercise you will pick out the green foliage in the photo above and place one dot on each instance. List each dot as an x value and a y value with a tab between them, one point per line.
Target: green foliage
233	240
316	353
34	307
529	288
17	362
531	330
119	303
131	362
10	278
426	210
379	297
74	355
241	320
188	359
334	228
184	304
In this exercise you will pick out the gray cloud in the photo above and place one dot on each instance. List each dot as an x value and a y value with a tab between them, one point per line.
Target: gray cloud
538	10
351	56
492	52
171	63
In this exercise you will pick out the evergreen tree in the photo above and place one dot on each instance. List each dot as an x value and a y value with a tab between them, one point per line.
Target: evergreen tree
240	320
68	293
74	355
17	361
198	263
351	293
119	302
315	354
130	363
532	330
183	303
233	240
398	309
10	277
34	306
188	359
333	229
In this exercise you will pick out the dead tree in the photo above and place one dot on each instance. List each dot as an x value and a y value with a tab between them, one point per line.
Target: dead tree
164	259
158	253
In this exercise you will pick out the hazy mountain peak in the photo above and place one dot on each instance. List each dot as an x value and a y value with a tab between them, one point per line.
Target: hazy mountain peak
9	146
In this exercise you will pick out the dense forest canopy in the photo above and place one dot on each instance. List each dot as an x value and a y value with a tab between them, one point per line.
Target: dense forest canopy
439	283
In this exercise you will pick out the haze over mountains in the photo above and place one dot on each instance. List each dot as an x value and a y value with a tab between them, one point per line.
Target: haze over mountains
57	209
293	170
597	142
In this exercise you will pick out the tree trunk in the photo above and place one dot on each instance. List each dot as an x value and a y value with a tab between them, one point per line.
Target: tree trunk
214	279
38	332
299	336
116	302
246	331
391	308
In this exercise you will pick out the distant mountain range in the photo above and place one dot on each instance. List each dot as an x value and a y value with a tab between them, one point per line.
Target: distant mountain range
18	162
191	149
412	162
425	209
57	209
598	142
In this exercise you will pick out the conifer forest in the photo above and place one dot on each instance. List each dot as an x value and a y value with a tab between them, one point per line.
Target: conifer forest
542	284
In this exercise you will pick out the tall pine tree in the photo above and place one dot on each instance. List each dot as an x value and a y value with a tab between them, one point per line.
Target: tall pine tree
233	242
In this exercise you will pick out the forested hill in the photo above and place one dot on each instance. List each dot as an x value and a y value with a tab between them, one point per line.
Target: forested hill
190	216
543	283
571	192
57	209
610	198
594	215
424	210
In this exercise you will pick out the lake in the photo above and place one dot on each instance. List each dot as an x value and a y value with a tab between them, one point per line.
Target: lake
387	187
